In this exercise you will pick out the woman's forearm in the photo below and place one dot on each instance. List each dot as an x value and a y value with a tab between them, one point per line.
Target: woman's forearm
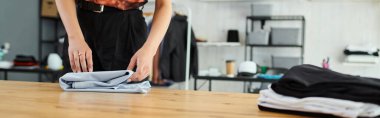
67	11
160	24
80	55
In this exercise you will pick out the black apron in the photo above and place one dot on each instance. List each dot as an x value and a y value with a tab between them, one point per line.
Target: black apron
114	37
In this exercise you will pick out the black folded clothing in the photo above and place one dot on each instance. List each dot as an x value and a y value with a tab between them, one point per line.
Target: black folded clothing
24	58
348	52
308	114
311	81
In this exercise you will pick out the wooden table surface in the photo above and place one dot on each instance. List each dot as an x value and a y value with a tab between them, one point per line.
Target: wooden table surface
32	99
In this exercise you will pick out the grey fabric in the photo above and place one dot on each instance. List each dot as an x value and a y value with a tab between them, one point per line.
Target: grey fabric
102	81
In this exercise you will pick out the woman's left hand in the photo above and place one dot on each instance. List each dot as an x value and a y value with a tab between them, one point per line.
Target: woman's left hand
143	59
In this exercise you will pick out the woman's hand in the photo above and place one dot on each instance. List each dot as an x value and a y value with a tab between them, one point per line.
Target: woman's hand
143	59
80	56
79	53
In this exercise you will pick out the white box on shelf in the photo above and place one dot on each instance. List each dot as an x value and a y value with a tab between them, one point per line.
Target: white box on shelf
260	37
286	36
261	9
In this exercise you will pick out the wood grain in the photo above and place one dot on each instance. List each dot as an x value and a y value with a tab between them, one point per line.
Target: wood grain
47	100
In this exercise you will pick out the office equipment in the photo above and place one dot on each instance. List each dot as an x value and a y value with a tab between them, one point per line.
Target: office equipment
36	100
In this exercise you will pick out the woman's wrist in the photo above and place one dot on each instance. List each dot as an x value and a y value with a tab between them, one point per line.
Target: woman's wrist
75	37
150	47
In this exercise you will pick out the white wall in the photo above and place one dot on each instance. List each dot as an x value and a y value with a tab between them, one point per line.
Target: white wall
330	26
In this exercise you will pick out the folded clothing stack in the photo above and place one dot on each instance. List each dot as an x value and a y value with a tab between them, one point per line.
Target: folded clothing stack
361	54
310	90
104	81
25	62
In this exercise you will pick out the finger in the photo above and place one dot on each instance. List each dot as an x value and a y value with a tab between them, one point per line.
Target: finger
140	74
133	76
144	74
137	78
76	61
72	64
132	63
137	74
82	60
89	61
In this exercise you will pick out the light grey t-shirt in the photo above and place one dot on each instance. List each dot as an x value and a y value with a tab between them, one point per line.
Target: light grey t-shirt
102	81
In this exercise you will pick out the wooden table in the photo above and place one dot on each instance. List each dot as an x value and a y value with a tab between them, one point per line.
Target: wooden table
47	100
54	73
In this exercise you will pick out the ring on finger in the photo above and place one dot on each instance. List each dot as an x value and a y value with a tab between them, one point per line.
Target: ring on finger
80	53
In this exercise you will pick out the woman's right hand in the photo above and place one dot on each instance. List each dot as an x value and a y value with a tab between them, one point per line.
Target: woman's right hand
80	55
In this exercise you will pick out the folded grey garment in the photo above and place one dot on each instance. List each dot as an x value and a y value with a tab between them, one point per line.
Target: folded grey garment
102	81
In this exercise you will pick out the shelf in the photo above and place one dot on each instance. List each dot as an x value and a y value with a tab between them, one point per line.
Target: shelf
225	78
298	46
50	18
49	41
37	70
276	17
360	64
217	44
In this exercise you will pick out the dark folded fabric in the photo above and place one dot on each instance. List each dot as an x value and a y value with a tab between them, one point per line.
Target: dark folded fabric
312	81
348	52
308	114
24	58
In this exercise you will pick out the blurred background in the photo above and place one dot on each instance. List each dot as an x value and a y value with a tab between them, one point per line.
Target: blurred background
237	45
